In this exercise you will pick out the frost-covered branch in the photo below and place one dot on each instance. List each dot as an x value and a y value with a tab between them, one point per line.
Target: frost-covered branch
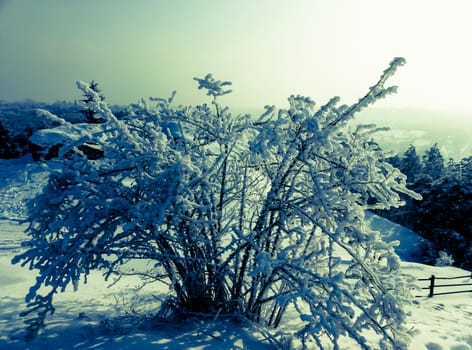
237	215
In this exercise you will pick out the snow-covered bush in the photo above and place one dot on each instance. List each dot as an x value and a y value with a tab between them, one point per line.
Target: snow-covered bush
444	259
11	146
251	218
4	142
47	143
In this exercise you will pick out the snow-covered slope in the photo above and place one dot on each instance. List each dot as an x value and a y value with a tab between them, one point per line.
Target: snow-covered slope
97	317
20	179
410	245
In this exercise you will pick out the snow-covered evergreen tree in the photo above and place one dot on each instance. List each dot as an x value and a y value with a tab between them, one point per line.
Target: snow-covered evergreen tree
240	217
92	95
411	164
433	162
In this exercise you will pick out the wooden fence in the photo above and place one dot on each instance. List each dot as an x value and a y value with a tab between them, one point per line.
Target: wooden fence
433	284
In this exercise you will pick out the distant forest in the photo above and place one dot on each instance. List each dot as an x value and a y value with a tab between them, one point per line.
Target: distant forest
443	217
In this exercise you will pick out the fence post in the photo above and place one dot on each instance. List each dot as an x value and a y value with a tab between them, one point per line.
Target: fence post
431	286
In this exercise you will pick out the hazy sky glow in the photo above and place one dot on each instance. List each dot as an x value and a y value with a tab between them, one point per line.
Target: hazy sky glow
269	49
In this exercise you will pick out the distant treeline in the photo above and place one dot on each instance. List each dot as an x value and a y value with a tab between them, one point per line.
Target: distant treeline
444	215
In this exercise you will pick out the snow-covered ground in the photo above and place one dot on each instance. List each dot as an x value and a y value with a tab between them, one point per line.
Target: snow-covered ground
101	317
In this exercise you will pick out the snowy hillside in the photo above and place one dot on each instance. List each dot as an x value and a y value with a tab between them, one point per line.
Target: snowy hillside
410	244
97	317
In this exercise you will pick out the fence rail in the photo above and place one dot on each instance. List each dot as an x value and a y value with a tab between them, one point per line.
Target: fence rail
433	285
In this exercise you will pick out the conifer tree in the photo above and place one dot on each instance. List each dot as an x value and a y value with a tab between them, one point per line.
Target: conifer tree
433	162
411	164
91	96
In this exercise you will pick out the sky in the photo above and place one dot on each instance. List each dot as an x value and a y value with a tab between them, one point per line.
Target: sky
269	49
